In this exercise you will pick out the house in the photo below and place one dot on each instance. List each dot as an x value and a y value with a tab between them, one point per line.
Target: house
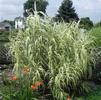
19	23
5	26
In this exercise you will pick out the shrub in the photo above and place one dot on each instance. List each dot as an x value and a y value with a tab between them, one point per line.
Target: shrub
58	54
4	36
96	94
19	88
96	32
97	70
98	24
86	23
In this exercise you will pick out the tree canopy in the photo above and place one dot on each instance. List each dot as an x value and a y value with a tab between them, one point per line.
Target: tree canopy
30	6
98	24
67	12
86	23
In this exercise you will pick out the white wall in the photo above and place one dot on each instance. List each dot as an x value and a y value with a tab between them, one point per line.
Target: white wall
19	24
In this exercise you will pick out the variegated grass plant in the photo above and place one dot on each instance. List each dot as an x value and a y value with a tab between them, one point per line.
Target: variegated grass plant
57	52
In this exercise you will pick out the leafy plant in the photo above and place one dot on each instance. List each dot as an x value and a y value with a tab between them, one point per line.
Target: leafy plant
20	87
58	54
98	24
95	94
4	36
96	32
86	23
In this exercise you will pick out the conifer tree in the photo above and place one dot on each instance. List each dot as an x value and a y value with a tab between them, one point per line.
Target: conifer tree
67	12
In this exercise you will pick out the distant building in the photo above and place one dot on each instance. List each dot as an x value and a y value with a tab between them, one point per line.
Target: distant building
5	26
19	23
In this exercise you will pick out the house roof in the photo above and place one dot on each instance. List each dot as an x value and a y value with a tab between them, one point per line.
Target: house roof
4	24
19	18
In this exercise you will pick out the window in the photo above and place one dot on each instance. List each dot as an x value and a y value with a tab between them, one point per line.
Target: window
7	28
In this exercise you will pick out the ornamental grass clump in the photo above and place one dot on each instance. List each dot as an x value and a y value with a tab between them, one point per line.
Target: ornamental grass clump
58	54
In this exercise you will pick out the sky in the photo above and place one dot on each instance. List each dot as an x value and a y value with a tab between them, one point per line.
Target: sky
9	9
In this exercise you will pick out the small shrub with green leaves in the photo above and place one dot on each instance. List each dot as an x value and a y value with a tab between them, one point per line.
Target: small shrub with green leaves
59	54
20	87
4	36
96	32
94	95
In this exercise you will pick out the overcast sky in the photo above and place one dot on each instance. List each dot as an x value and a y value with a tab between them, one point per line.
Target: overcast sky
9	9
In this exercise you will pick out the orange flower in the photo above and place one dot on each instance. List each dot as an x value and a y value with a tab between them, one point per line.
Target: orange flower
38	83
33	87
25	70
14	77
69	98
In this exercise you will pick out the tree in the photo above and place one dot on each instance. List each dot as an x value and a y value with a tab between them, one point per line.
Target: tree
86	23
40	6
67	12
98	24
